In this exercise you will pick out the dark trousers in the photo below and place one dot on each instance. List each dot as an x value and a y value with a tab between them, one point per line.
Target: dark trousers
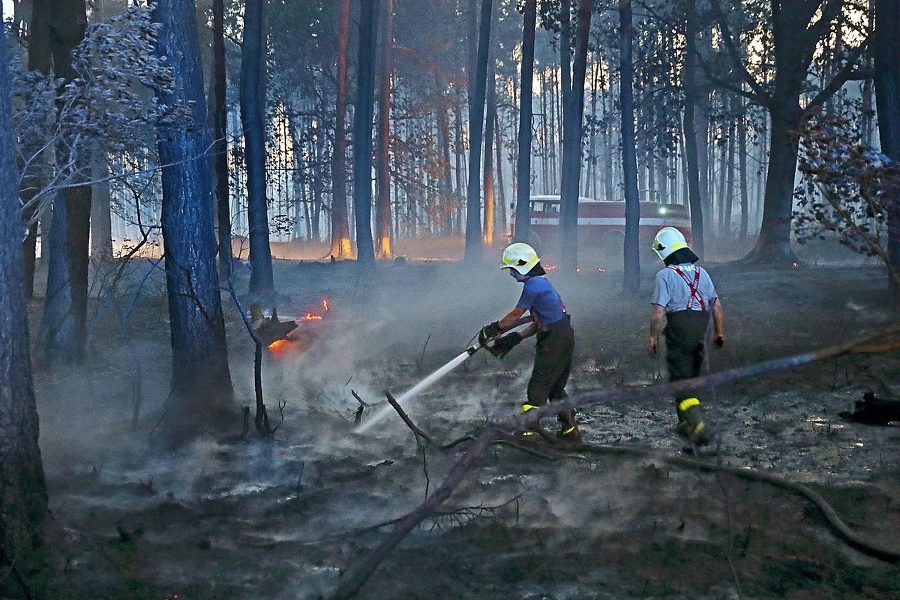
552	362
685	345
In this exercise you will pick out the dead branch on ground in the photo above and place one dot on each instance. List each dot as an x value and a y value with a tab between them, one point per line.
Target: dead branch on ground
356	576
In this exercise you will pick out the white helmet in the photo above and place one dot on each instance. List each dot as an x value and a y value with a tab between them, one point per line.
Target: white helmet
667	241
520	257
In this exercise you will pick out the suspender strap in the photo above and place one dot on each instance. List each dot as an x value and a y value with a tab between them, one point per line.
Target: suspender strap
694	286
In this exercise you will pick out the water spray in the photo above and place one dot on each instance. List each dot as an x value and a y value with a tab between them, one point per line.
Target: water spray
430	380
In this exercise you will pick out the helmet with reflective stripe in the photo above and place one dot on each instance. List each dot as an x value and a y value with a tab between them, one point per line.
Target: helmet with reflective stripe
520	257
667	241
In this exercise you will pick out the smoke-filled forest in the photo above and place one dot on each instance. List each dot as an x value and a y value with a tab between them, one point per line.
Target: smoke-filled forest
295	294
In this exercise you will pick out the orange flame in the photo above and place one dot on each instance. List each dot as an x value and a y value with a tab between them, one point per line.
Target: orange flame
325	304
312	317
279	346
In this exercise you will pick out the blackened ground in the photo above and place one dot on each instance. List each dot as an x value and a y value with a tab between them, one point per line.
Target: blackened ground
283	519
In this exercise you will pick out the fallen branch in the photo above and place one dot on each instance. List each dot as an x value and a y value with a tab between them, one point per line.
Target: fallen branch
418	432
834	520
359	573
356	576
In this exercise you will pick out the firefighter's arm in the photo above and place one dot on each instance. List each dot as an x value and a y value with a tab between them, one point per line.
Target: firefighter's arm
511	317
657	323
719	323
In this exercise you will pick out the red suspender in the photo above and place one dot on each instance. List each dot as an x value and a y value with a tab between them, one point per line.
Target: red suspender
692	285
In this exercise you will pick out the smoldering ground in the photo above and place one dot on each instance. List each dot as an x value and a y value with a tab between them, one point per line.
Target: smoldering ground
286	517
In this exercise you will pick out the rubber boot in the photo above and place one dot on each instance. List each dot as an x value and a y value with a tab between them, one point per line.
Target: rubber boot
691	424
568	426
525	408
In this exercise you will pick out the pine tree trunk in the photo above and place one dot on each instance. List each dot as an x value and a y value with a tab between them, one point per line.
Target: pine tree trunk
252	99
64	24
383	200
488	176
220	141
474	243
887	100
340	226
690	132
632	255
572	130
362	131
201	381
23	491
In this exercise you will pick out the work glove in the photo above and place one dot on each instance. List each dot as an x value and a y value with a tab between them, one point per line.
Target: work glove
489	331
719	341
503	345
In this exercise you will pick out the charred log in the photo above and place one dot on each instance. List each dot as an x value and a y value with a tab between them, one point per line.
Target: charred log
872	410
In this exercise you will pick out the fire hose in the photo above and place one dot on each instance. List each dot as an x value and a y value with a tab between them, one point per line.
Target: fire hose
433	378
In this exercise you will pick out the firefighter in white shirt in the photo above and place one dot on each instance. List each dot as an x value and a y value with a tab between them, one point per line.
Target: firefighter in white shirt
683	301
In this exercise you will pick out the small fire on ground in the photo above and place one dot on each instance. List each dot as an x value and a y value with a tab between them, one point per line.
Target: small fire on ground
316	315
288	337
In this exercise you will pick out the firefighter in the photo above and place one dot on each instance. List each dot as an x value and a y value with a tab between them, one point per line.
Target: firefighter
683	301
555	336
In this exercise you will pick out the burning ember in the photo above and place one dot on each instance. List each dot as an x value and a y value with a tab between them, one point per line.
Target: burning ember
280	346
795	264
313	314
601	270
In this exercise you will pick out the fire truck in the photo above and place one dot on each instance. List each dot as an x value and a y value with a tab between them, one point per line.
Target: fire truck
601	227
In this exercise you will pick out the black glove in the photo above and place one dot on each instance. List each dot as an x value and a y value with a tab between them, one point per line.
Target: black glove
489	331
719	341
503	345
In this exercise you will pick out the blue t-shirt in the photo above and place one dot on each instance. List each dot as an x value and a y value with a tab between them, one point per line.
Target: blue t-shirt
541	299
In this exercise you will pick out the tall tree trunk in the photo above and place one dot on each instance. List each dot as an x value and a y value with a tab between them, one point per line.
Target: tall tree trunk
383	201
572	128
362	131
488	176
773	244
220	140
887	100
40	58
523	166
474	246
632	254
252	98
446	184
340	226
742	161
797	30
101	215
500	200
609	189
460	164
719	199
23	491
690	132
64	24
729	180
201	380
317	185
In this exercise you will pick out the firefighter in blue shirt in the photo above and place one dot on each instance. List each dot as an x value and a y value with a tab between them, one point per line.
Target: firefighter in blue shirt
683	300
555	336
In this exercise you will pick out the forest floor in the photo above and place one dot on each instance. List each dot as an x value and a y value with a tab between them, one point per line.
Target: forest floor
629	515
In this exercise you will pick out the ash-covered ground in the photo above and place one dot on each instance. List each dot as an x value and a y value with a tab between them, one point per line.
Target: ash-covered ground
290	517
